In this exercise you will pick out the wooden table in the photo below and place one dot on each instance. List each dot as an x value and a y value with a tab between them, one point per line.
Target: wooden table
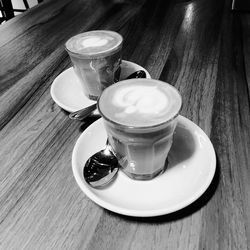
200	47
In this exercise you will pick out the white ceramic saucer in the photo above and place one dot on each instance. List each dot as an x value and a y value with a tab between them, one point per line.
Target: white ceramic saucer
191	168
67	93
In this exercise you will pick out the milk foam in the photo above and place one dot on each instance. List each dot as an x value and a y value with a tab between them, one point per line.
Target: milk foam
140	102
92	41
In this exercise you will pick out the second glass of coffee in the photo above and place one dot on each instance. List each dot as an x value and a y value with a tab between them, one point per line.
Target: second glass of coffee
96	58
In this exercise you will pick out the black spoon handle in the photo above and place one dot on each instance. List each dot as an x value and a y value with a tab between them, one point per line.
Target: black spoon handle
137	74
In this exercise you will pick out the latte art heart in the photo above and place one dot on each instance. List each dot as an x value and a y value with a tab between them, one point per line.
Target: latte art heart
93	42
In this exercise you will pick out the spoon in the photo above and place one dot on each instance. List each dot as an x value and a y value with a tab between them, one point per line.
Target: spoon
101	168
82	113
137	74
85	112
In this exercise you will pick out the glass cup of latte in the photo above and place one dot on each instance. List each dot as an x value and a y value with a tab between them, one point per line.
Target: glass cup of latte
140	119
96	59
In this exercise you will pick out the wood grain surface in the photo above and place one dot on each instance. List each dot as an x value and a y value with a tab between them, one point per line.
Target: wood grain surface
201	47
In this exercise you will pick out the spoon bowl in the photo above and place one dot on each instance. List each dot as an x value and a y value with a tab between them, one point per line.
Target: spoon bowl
101	168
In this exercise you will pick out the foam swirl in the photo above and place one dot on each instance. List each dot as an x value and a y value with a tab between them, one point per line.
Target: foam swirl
141	99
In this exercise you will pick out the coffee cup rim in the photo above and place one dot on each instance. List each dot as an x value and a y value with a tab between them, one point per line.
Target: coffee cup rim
100	54
131	127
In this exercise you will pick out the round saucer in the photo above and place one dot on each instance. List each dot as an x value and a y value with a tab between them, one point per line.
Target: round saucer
191	168
67	93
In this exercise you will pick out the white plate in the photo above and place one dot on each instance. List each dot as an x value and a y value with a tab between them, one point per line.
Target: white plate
67	93
192	164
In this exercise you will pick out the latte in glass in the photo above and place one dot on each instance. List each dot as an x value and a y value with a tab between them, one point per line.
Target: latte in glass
96	58
140	119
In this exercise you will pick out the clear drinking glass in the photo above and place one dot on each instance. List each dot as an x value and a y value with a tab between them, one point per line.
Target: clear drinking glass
96	59
141	148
